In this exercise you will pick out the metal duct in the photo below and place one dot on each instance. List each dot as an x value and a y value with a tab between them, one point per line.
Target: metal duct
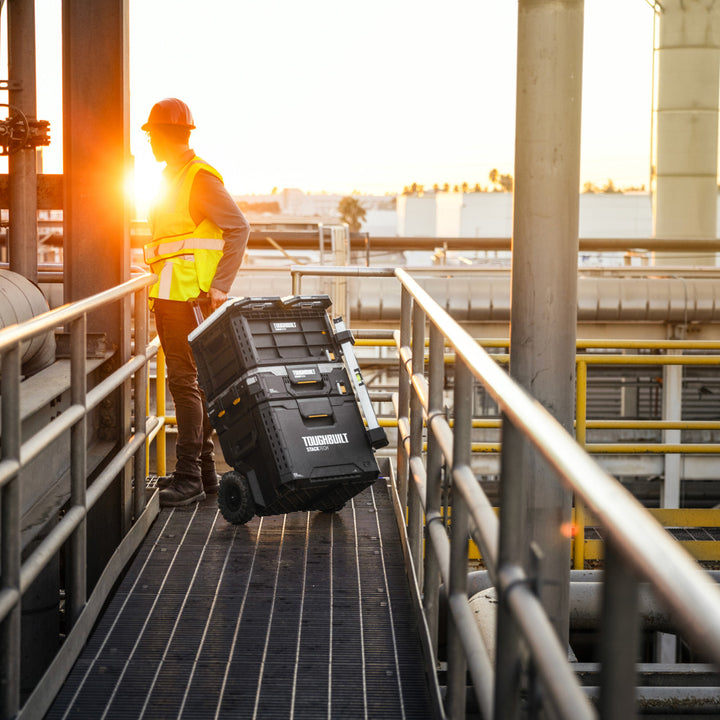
21	300
671	300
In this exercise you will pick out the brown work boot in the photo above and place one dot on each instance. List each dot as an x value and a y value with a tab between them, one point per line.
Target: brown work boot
182	490
211	483
164	481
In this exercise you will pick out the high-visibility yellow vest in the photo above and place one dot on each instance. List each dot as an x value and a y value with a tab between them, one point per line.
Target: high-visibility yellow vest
183	255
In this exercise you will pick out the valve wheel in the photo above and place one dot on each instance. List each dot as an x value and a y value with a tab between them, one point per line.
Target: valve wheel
14	130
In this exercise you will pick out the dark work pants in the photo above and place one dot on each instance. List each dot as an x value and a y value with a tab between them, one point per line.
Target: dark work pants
194	447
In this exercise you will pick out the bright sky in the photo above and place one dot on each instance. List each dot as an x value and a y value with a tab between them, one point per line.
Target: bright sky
373	96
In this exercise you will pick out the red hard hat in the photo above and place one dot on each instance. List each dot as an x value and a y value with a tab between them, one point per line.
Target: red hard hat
170	111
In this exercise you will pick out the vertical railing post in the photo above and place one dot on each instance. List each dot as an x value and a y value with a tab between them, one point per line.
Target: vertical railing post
666	643
618	640
415	508
140	408
340	238
434	460
672	410
580	436
10	554
403	397
321	244
160	401
77	566
457	662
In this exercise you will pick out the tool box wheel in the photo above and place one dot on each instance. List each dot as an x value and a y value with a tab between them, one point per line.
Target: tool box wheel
334	508
235	498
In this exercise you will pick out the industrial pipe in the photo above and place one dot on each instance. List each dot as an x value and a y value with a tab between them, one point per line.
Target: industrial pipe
21	300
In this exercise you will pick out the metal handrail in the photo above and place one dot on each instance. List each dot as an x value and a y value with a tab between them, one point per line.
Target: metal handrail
17	574
636	538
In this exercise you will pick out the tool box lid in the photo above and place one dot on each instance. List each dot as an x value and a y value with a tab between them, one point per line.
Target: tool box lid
307	301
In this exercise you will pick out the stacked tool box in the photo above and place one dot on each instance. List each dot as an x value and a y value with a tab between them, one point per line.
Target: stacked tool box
285	409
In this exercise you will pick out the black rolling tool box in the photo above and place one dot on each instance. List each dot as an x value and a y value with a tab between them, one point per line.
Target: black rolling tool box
284	393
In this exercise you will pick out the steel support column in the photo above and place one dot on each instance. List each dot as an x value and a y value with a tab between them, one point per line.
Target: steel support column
96	159
22	231
535	507
96	152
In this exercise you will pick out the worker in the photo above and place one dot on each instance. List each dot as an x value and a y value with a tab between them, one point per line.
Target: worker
199	237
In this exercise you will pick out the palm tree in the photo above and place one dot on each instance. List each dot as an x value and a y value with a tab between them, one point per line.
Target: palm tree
351	212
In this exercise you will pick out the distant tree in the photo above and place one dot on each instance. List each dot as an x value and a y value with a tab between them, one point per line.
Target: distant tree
351	212
446	187
464	187
590	188
477	188
506	183
610	188
501	183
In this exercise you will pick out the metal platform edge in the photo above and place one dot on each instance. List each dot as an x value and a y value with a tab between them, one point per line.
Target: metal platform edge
49	685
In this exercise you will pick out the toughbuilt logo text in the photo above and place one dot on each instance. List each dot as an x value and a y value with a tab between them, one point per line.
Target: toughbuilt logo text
313	443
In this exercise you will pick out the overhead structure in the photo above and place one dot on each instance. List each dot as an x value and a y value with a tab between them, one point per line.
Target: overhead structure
686	115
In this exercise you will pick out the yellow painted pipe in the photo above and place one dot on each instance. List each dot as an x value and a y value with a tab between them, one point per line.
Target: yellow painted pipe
650	448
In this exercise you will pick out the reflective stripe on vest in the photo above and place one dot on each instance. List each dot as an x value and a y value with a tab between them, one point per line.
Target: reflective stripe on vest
164	283
168	248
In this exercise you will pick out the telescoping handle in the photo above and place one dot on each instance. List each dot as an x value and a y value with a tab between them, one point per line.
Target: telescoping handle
345	339
197	311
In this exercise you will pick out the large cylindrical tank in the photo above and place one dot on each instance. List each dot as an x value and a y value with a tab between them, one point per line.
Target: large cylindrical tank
21	300
688	56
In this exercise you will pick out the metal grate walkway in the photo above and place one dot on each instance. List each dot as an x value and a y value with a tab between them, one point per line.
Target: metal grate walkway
305	615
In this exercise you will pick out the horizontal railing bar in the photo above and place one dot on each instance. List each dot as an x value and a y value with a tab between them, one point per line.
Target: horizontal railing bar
113	381
440	544
8	468
103	480
417	470
50	545
383	338
649	359
9	598
652	448
482	514
51	432
51	319
153	425
630	360
652	424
